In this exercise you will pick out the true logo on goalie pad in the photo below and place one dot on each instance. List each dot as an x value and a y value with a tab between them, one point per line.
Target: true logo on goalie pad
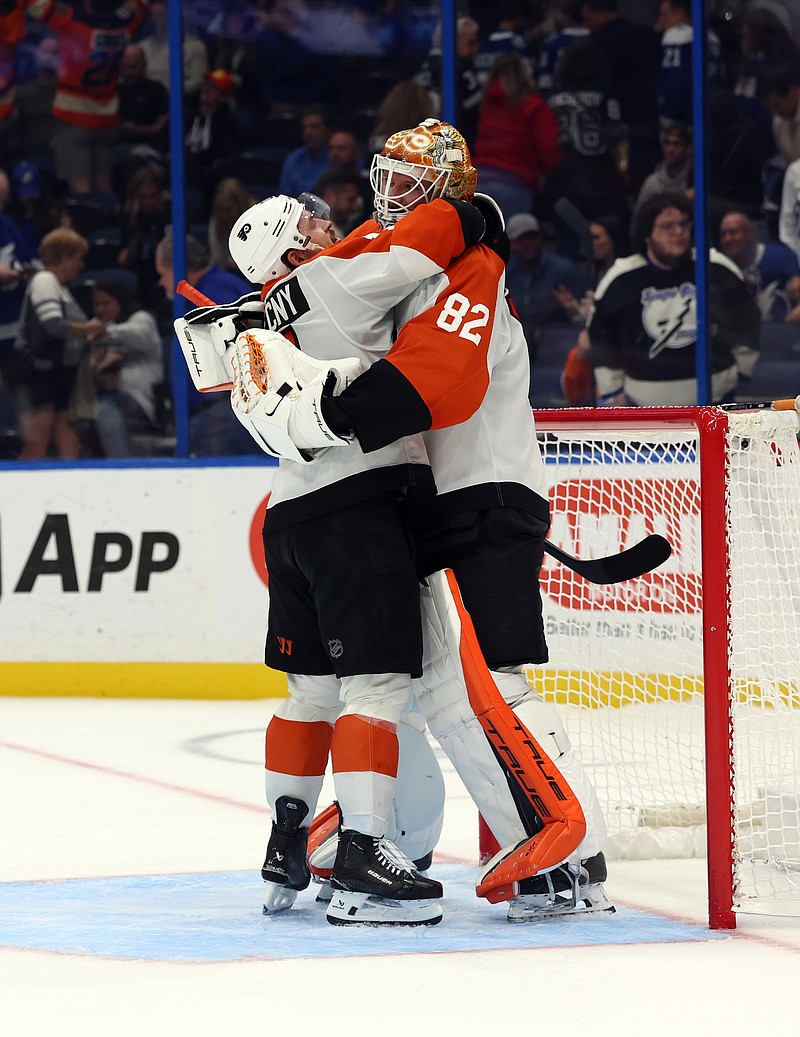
284	304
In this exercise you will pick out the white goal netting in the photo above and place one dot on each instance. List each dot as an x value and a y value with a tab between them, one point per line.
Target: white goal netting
627	660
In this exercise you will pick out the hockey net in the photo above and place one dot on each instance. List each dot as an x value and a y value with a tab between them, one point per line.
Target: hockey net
681	689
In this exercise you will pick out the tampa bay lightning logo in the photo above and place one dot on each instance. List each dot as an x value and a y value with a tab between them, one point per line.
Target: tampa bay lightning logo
669	316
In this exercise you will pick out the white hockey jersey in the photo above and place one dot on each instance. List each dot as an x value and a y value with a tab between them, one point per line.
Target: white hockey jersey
340	304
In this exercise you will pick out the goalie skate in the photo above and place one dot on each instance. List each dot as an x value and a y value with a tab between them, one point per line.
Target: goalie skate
566	890
374	883
285	870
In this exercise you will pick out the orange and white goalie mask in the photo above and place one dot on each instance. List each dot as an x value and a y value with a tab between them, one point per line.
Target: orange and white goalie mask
430	161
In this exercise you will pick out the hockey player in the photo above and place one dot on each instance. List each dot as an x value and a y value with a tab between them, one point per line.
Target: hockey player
344	596
462	362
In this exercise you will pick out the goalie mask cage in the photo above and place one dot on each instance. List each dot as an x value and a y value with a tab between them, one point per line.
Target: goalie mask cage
681	689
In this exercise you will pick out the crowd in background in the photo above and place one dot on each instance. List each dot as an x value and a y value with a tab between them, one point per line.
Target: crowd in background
577	113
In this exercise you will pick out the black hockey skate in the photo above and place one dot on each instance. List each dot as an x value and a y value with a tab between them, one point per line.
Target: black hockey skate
374	882
566	890
285	868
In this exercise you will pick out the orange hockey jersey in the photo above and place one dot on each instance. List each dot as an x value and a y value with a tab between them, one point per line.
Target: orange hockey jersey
91	47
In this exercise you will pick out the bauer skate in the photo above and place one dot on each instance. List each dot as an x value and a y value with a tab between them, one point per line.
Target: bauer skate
375	883
285	870
566	890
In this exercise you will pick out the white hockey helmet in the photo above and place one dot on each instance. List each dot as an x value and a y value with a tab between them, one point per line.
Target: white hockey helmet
435	156
265	232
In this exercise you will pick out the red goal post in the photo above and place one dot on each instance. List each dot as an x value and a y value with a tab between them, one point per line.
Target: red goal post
681	688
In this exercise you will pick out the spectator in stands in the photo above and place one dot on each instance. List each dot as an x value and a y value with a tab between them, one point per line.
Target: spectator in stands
673	175
92	35
143	105
342	192
213	427
643	328
12	32
231	198
344	152
543	285
156	51
213	132
346	155
146	214
590	132
770	270
128	363
609	242
507	38
53	336
33	209
5	189
517	137
408	103
634	58
738	147
306	164
15	271
429	77
779	90
766	43
568	27
675	73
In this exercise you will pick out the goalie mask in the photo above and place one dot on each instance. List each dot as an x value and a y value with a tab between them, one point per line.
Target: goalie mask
265	232
430	161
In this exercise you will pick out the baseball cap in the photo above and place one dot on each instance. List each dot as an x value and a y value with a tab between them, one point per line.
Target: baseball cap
27	180
223	80
522	223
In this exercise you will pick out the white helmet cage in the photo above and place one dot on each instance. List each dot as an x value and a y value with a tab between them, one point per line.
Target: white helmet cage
434	161
265	232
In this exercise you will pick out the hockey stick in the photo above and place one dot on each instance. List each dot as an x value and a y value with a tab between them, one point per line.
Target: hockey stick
764	405
188	291
579	225
642	558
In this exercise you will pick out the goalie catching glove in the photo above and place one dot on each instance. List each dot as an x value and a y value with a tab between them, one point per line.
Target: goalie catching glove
277	394
207	335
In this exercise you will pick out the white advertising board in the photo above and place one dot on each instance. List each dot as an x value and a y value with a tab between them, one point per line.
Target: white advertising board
133	565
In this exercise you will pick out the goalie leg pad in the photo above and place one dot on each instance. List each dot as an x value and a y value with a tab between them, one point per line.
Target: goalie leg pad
545	724
467	702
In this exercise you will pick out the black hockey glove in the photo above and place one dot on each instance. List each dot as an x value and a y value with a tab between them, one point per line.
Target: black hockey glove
473	225
495	236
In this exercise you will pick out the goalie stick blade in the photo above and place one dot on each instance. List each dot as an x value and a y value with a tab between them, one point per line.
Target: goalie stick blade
642	558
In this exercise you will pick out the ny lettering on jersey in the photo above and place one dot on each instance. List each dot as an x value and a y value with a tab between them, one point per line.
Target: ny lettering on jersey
284	305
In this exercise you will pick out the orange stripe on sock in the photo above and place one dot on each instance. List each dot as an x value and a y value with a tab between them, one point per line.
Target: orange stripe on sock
364	744
293	747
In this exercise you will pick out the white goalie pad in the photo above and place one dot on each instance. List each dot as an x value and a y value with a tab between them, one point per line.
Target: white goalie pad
442	697
523	796
277	393
545	724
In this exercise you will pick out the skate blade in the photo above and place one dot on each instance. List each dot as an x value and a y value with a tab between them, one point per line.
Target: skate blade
363	909
325	891
277	898
541	908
